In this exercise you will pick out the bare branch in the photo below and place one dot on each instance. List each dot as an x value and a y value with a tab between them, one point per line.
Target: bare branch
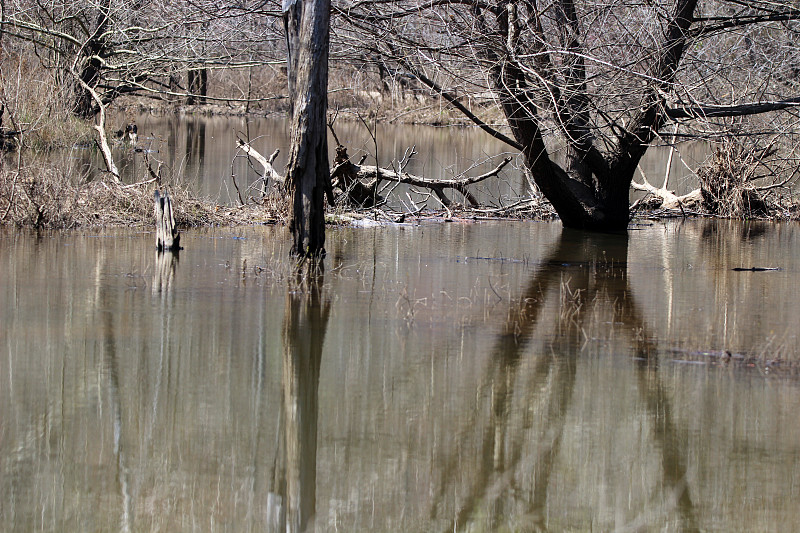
266	163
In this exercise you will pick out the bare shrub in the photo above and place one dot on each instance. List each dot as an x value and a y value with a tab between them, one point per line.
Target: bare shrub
746	177
35	197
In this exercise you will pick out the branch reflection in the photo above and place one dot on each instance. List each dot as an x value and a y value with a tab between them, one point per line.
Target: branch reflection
587	271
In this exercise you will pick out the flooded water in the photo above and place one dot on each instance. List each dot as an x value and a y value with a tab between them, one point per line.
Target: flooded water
499	376
202	152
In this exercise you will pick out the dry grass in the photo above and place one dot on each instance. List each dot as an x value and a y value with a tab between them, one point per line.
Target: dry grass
37	101
42	197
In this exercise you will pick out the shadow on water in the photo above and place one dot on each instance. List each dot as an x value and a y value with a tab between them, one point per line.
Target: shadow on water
292	496
596	267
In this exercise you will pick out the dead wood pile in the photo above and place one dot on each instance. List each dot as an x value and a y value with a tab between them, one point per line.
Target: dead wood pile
741	179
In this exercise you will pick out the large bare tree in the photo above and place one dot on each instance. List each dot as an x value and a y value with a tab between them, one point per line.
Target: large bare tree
308	172
585	88
114	48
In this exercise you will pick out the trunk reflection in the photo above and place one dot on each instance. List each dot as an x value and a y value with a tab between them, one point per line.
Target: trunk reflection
586	270
305	322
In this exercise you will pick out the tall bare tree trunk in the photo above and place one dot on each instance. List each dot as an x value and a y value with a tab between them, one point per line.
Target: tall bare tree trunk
308	173
197	85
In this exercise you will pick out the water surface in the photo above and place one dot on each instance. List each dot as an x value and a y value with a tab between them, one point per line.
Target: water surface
438	377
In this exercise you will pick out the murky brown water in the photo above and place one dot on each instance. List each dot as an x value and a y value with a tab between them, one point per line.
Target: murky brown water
482	377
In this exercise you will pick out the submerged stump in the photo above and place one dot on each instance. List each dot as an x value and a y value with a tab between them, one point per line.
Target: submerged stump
167	236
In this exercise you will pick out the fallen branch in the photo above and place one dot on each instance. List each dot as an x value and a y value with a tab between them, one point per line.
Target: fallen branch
366	171
139	183
669	200
266	163
370	176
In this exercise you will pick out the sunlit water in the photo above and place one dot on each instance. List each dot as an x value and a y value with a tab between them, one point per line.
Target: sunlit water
462	376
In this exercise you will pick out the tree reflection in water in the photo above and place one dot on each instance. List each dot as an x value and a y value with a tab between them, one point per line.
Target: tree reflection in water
112	373
595	266
159	402
305	321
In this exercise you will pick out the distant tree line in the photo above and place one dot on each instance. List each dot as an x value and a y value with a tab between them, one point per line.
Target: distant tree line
159	49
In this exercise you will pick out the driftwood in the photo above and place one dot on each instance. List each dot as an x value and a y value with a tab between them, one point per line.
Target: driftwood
344	176
361	182
266	163
436	185
167	236
669	200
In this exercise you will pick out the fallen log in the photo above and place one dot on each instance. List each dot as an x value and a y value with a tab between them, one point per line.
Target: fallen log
361	182
436	185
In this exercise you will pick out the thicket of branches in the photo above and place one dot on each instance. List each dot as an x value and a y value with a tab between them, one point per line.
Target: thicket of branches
156	49
586	87
581	89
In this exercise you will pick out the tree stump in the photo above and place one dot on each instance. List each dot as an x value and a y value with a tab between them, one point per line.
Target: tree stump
167	236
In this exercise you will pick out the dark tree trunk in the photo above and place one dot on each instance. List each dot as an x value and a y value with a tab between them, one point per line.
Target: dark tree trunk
94	51
308	172
84	104
197	85
191	86
203	85
591	189
174	85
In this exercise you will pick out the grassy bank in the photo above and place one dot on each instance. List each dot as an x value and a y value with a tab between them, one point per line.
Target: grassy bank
42	197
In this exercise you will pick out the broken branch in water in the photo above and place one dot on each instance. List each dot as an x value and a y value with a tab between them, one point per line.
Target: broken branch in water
669	200
365	172
360	184
266	163
361	181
